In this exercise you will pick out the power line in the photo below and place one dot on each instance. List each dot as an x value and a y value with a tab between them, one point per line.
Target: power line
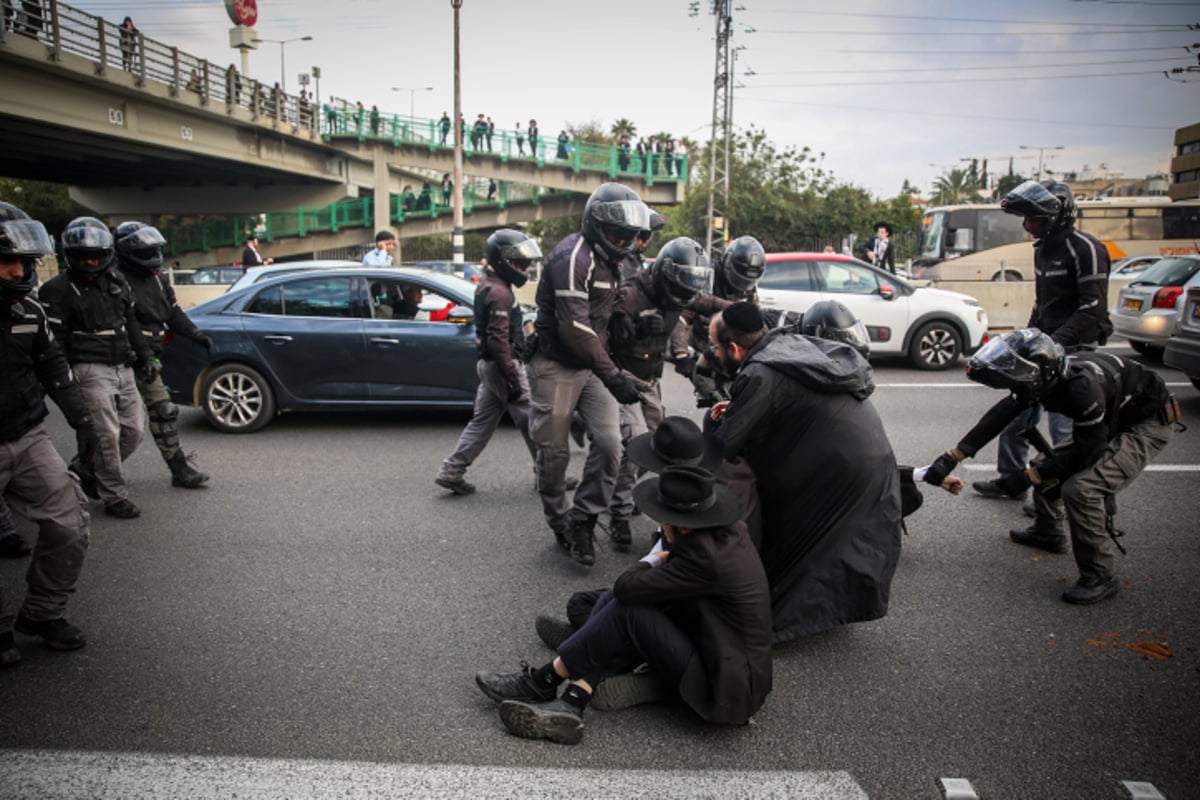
964	69
984	53
948	80
968	20
991	34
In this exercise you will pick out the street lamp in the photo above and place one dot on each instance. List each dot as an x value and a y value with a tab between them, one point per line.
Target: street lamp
411	94
458	147
1041	151
281	43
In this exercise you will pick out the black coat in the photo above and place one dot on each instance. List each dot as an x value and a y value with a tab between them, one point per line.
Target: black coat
827	480
714	584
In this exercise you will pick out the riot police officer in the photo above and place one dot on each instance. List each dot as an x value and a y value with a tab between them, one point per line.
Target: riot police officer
1123	416
648	310
33	476
572	368
139	258
500	343
91	312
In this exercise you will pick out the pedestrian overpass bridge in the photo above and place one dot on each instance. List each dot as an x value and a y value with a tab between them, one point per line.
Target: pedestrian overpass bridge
141	130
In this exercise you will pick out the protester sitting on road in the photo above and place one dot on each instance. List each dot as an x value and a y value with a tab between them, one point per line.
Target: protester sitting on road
800	414
1123	416
696	609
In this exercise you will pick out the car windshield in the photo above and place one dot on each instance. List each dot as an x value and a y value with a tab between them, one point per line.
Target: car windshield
1170	271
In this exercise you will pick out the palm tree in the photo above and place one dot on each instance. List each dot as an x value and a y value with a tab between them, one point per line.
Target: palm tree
956	186
623	127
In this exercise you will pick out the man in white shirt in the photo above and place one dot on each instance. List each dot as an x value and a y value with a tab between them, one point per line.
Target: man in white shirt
381	255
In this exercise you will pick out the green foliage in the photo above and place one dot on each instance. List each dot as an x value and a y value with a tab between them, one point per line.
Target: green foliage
1007	183
623	127
48	203
956	186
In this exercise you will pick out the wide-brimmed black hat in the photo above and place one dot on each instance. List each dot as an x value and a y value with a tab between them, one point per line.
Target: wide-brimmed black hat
885	226
678	442
688	497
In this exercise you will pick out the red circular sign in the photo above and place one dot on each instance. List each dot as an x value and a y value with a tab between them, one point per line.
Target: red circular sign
242	12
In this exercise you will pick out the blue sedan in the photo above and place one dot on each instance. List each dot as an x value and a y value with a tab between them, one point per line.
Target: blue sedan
338	339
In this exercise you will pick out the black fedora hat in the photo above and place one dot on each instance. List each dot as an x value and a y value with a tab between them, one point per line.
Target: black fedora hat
885	226
688	497
678	442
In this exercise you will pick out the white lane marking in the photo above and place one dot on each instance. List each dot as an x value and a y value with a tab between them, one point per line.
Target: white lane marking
70	775
1169	384
980	467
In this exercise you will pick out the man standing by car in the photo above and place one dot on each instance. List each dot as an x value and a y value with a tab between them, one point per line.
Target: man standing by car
500	343
879	250
1070	304
826	476
139	258
571	369
91	312
251	257
33	476
381	254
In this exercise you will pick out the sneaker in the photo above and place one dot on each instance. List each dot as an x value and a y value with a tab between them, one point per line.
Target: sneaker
630	689
13	546
183	474
554	720
990	489
86	477
1090	589
501	686
122	509
1051	541
620	534
583	541
458	485
57	634
552	630
10	656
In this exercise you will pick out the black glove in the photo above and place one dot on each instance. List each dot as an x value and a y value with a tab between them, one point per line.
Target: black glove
621	334
514	393
651	325
206	342
146	371
1014	482
86	443
686	366
940	469
623	389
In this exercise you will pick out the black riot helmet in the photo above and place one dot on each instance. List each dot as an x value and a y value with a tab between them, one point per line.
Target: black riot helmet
26	240
831	320
657	222
1025	362
86	239
140	246
1066	199
743	264
612	219
1032	199
510	253
680	272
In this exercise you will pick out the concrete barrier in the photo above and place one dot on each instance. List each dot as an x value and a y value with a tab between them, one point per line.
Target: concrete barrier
189	296
1008	303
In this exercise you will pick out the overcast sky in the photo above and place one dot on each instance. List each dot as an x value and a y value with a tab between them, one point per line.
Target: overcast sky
887	91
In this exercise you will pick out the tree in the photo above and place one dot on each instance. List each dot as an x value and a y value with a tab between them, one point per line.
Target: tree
1008	182
956	186
48	203
623	127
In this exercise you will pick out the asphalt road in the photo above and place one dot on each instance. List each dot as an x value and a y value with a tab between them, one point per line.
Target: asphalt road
310	626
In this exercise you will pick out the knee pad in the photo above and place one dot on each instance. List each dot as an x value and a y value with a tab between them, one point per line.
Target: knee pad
164	411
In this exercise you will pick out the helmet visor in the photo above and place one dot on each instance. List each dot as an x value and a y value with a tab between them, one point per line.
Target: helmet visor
999	366
737	280
85	237
146	238
693	279
855	335
25	237
523	253
632	215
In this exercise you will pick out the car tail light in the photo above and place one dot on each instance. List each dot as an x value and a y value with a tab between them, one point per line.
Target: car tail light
1166	296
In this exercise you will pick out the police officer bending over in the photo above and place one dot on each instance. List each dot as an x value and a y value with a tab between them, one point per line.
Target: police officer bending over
33	477
140	257
91	311
1123	417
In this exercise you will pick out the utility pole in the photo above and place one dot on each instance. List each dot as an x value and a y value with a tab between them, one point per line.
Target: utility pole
722	124
458	148
1041	152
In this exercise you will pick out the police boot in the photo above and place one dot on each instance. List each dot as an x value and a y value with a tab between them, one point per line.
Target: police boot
620	534
183	474
582	540
1033	536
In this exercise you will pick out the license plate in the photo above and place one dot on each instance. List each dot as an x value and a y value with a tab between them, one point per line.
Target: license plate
1195	311
1133	304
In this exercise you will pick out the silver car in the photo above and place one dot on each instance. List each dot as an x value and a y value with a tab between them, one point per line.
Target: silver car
1149	309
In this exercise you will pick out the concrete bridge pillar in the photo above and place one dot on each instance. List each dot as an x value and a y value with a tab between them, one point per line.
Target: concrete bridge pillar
382	192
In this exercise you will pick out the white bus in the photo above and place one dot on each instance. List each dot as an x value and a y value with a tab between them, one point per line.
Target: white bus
982	243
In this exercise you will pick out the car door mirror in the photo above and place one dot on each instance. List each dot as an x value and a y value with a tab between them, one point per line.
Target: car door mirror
461	315
887	292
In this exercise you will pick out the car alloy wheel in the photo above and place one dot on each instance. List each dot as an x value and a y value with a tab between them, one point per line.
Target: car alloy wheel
937	345
237	399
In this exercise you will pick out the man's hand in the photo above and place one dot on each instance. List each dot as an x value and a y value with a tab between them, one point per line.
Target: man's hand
86	442
514	393
718	410
953	485
685	366
623	389
940	469
651	325
146	371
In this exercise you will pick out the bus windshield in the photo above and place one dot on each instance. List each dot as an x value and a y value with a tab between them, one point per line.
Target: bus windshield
931	237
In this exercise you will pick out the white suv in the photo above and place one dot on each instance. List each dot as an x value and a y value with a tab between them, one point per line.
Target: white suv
932	326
